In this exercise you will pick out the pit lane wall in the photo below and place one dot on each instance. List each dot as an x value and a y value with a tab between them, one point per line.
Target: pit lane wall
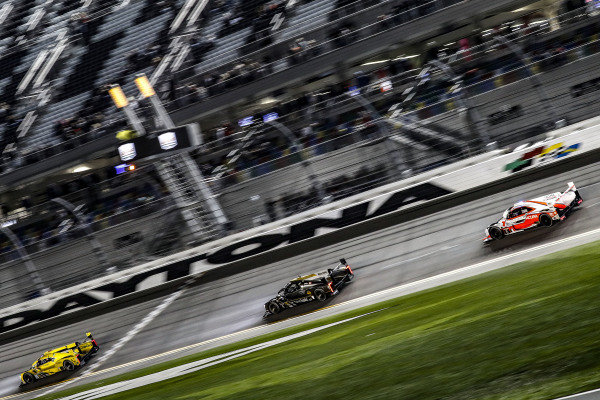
566	149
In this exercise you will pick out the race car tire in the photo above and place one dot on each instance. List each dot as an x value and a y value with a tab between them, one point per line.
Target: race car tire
28	378
273	307
495	232
545	220
320	295
68	365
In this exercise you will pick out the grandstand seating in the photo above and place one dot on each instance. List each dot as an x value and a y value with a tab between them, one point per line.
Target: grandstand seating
343	147
99	45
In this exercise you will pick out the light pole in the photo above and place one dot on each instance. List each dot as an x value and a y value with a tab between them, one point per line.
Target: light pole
121	102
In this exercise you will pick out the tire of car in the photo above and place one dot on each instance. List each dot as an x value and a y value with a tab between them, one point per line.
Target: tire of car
68	365
320	295
495	232
273	307
28	378
545	220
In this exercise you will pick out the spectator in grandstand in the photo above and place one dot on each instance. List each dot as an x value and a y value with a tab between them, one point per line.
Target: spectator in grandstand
200	45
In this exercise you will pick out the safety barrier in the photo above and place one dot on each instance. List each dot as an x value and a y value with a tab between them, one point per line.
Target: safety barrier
568	149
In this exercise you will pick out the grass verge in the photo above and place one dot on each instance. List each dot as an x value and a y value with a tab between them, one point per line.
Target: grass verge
528	331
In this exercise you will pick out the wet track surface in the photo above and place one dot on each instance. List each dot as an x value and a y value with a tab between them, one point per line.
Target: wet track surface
425	247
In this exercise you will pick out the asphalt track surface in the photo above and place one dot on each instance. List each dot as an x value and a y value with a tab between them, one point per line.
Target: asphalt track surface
426	247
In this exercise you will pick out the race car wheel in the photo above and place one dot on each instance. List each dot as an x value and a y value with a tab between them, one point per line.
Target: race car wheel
273	307
320	295
68	365
28	378
495	232
545	220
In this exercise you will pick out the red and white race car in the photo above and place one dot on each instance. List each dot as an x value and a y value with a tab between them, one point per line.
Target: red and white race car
541	211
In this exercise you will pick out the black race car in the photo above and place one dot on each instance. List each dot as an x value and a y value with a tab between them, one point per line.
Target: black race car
319	286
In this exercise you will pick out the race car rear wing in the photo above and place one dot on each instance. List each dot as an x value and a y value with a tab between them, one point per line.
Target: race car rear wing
570	188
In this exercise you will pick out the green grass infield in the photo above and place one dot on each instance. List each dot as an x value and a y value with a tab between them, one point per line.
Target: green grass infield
528	331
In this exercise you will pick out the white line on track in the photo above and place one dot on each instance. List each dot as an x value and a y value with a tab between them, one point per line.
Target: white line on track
395	291
458	272
124	340
196	366
591	395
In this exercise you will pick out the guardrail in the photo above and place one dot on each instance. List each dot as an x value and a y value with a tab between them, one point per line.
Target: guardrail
566	152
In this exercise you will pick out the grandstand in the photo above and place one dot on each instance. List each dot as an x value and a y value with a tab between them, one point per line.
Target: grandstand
168	166
313	64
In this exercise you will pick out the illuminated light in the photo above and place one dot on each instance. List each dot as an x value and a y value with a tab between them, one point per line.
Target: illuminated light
81	168
118	97
349	269
330	287
375	62
8	223
167	140
127	151
144	86
270	117
131	167
246	121
267	100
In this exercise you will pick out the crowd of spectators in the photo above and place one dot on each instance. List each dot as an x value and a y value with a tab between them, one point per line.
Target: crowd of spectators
94	118
259	14
106	203
480	70
94	115
335	189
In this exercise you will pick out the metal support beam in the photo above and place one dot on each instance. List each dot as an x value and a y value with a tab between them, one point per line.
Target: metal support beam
400	162
91	237
474	119
160	111
211	201
145	87
134	120
547	104
27	261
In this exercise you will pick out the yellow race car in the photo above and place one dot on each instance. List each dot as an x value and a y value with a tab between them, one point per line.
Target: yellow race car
65	358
